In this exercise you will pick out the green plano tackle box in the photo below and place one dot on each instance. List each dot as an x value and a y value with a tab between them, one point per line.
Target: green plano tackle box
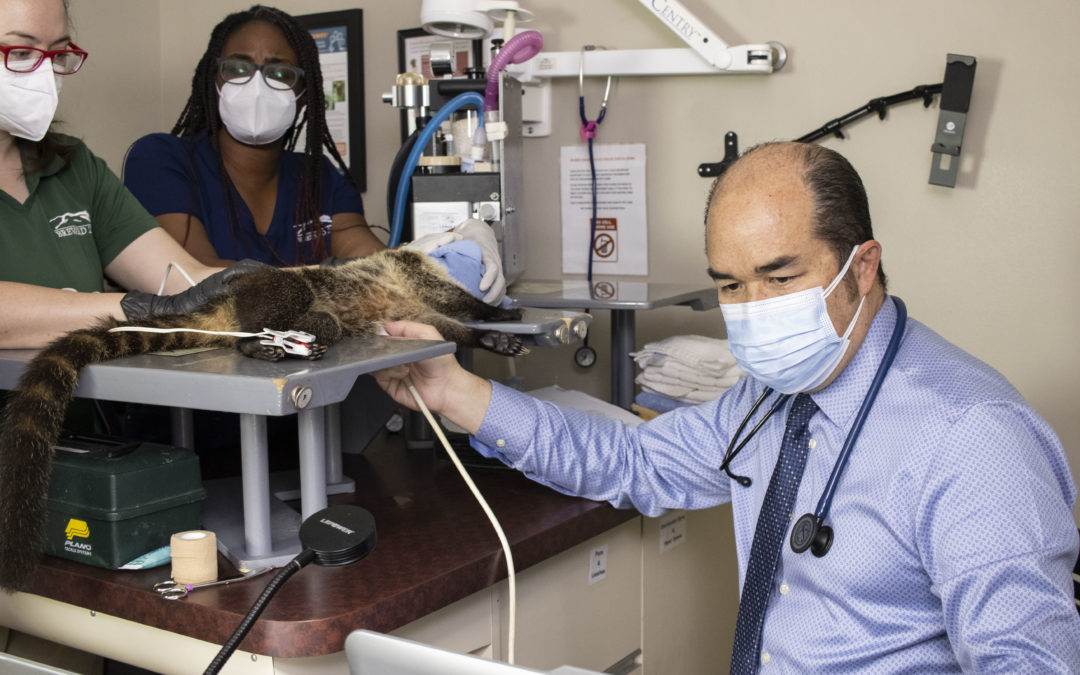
112	500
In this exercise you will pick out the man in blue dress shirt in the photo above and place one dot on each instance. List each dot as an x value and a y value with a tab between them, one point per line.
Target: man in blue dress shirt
953	518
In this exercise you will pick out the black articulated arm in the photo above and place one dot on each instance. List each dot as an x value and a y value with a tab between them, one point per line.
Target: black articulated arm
879	105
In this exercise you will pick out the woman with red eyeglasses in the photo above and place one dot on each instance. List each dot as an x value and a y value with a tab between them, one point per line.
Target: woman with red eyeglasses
66	221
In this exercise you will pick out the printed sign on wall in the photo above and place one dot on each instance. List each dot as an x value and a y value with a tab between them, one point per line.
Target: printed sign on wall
619	243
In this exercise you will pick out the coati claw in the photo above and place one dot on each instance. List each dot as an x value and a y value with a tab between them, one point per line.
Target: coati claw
317	351
503	343
268	353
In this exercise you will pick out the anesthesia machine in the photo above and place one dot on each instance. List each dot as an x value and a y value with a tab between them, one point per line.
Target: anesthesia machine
463	158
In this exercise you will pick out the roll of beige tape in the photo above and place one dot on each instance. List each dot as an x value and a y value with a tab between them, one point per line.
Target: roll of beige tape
194	556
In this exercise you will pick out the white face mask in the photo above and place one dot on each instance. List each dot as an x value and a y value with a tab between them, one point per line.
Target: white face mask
788	342
254	113
28	101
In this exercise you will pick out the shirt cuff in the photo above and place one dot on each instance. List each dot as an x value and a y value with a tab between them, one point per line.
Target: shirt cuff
508	427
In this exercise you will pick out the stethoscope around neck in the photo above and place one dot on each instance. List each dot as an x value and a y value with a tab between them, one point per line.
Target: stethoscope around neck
810	531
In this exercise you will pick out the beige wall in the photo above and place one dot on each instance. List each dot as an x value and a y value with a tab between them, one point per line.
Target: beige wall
991	265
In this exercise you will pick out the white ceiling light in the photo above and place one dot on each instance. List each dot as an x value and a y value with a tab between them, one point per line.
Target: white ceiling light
468	19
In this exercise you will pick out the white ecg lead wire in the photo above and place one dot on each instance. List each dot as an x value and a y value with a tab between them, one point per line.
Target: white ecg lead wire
165	277
510	577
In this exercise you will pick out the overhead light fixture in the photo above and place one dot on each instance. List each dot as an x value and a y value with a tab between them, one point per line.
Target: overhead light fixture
469	19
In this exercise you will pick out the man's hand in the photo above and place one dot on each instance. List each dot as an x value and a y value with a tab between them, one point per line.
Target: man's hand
139	305
442	383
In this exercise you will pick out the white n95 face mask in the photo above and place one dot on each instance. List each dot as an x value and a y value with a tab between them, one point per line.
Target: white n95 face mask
254	113
788	342
28	101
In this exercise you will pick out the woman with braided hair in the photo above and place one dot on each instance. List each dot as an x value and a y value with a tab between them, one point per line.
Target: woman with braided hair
226	182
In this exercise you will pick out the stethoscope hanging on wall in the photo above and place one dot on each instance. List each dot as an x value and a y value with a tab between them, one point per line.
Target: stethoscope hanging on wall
809	531
588	133
585	356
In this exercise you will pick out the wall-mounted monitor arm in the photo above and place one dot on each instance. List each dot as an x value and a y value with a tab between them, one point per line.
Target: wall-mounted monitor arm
708	54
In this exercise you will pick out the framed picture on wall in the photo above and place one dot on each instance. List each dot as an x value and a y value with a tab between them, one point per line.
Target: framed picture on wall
339	37
414	56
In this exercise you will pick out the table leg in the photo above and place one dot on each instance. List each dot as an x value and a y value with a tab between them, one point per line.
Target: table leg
255	473
183	428
622	366
312	423
334	471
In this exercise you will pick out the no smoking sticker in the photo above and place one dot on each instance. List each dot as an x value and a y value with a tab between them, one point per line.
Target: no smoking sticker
605	240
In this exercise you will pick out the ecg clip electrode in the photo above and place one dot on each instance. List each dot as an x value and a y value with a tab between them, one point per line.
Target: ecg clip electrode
294	342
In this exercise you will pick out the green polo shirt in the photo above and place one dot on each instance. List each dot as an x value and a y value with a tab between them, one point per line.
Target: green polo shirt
76	220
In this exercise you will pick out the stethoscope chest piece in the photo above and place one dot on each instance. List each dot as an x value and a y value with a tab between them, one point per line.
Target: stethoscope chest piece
810	533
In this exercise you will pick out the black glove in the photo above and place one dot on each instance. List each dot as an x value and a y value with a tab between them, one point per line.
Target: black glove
335	262
138	305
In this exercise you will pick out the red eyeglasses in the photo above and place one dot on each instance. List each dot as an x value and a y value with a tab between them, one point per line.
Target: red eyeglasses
27	59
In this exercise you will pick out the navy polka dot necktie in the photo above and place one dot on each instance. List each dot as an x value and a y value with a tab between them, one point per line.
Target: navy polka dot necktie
773	522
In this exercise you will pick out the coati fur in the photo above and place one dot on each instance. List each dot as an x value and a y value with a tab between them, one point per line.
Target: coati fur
348	301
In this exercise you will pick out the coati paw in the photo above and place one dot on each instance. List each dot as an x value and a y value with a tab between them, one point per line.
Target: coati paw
503	343
317	351
267	353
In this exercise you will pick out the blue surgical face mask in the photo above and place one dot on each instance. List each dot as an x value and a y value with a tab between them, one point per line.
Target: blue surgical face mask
789	342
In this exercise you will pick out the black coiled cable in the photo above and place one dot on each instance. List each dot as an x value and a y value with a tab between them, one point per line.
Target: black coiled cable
294	566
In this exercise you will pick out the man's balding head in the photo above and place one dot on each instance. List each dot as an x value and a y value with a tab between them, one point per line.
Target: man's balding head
840	212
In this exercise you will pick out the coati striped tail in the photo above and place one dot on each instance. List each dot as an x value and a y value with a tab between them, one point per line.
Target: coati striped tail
32	425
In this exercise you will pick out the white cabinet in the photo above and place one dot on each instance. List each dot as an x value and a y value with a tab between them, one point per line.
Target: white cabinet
678	605
690	592
562	618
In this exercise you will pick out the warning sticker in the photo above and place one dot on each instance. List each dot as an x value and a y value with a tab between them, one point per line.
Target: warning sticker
606	241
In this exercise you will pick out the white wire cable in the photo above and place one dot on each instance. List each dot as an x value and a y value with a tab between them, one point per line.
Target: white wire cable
165	277
288	342
510	577
144	329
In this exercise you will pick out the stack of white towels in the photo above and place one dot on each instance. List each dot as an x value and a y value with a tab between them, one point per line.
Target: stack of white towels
684	370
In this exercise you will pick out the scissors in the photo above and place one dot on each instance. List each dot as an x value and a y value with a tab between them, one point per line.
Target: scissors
173	590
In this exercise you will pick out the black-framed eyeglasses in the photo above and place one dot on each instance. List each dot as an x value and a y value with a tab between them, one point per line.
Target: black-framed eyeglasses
27	59
276	75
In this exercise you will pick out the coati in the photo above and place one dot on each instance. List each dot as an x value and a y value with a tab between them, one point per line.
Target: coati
331	303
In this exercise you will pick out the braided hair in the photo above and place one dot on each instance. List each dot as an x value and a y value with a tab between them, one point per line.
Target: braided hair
201	114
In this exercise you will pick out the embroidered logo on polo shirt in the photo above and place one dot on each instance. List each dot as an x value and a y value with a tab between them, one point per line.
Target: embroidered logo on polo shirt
305	232
71	224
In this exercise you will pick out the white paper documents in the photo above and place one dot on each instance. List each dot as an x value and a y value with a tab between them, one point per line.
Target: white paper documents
620	245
